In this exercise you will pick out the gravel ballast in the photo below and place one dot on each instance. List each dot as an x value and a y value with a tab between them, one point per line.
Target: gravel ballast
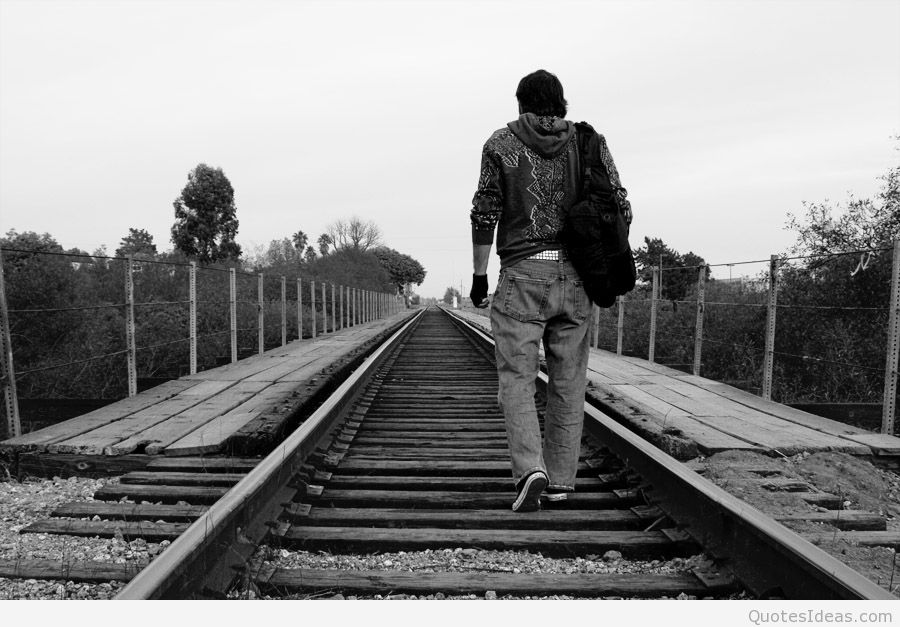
22	503
864	487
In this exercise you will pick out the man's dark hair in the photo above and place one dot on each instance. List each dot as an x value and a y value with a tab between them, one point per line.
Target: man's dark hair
541	93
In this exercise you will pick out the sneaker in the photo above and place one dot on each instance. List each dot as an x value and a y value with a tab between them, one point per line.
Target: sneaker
529	498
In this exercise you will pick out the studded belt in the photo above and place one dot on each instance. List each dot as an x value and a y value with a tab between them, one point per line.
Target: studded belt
551	255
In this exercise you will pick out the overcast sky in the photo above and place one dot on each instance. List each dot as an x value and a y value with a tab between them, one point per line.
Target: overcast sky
722	116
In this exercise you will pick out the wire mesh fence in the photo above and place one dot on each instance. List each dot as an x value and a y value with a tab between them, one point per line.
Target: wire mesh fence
817	329
99	328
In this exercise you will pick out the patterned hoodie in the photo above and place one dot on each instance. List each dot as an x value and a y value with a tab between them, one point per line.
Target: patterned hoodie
529	178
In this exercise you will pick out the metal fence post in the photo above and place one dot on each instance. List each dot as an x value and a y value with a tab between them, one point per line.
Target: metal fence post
595	327
7	368
698	333
283	311
192	297
312	307
654	297
620	325
324	310
889	404
333	310
769	361
262	318
299	310
131	356
232	306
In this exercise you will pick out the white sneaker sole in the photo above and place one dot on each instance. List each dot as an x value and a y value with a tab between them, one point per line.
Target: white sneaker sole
529	498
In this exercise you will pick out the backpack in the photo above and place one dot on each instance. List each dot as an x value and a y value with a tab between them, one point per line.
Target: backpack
595	232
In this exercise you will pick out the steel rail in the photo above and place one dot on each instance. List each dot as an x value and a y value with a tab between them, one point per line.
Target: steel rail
768	558
196	565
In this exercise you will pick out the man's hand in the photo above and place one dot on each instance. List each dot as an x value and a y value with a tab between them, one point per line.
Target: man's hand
479	290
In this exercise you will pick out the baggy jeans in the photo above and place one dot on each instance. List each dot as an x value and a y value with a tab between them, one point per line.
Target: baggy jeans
540	300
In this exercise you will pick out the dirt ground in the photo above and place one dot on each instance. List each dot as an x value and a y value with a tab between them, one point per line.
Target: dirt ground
861	486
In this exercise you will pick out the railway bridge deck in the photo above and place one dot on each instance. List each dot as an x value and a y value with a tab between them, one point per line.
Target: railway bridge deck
241	408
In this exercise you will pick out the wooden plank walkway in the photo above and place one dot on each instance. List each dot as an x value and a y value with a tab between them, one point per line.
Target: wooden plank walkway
198	414
689	416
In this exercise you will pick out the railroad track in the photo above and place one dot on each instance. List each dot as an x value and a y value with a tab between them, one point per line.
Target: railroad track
410	454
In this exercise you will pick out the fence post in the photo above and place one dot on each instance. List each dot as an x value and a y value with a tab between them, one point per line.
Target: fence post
232	306
262	319
7	368
355	298
324	310
193	315
654	297
131	355
889	404
595	326
283	311
299	310
698	333
312	307
345	305
620	326
341	302
769	361
333	310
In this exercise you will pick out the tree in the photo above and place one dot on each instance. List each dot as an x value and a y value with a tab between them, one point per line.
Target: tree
310	254
679	271
402	268
281	252
835	298
450	294
354	234
324	242
351	268
138	243
205	223
68	285
862	224
300	241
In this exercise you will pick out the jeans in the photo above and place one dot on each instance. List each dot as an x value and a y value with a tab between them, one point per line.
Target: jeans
542	300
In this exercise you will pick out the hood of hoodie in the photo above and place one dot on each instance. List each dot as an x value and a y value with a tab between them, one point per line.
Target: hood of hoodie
546	135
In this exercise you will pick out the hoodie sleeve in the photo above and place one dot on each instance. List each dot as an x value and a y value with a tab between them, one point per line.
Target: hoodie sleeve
488	201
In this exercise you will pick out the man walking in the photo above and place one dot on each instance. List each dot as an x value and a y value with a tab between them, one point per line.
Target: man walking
530	174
